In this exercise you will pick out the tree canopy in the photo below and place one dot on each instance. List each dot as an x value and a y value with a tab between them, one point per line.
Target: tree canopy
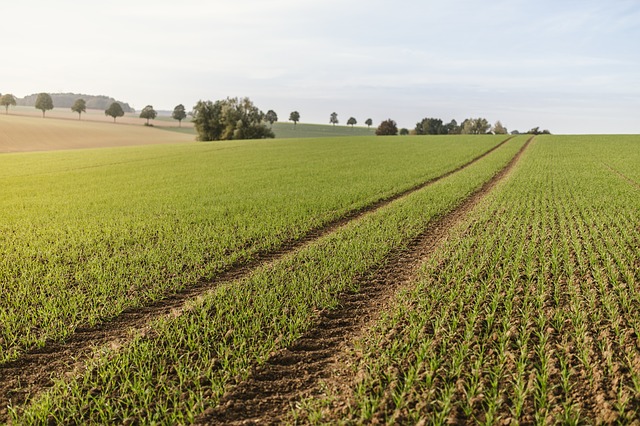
79	106
179	113
369	122
430	126
149	113
44	103
6	100
333	119
114	110
537	131
352	121
295	117
230	118
475	126
387	128
271	117
499	129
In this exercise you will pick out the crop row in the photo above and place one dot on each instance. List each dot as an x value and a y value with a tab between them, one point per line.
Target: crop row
529	313
186	362
87	234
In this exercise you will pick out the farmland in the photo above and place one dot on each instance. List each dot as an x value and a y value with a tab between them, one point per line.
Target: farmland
528	313
88	234
31	133
455	278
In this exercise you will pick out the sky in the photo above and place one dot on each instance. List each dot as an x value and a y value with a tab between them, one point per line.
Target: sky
563	65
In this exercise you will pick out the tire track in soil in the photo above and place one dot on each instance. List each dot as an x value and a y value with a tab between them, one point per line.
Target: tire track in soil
295	373
35	370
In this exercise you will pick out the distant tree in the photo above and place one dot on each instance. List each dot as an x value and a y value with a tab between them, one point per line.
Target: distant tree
114	110
537	131
44	103
431	126
230	118
452	128
79	106
149	113
387	128
499	129
352	121
271	117
6	100
515	132
404	132
369	122
179	113
475	126
295	117
334	118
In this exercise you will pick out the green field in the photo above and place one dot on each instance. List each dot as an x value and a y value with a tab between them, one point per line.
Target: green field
87	234
525	310
301	130
530	313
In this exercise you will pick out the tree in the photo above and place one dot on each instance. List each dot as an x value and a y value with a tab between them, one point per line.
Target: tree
499	129
334	118
271	117
452	128
6	100
114	110
404	132
295	117
179	113
79	106
44	103
475	126
387	128
430	126
369	122
231	118
537	131
149	113
352	121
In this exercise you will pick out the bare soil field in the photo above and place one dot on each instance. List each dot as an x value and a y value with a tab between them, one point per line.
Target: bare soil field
32	133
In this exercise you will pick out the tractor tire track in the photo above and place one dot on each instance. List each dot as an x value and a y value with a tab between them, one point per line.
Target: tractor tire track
296	373
36	369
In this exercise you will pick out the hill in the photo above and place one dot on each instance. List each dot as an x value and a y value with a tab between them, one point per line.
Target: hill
284	130
23	133
66	100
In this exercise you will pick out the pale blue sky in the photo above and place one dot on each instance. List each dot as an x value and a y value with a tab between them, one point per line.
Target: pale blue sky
569	66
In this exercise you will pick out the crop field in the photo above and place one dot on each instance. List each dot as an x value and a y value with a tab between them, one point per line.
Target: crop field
432	280
529	313
21	134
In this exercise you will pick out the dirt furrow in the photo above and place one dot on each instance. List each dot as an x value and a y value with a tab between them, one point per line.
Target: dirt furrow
297	372
36	369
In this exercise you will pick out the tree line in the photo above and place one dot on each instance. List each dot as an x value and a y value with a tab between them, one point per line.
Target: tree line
239	118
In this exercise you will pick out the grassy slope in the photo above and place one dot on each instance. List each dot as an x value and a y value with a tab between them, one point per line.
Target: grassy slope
85	234
20	134
301	130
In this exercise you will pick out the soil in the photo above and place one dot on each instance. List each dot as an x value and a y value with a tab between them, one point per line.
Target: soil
300	371
36	370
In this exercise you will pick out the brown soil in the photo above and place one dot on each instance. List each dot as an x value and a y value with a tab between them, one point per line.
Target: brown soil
298	372
36	370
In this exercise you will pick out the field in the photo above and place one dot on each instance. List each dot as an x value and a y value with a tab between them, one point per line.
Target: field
431	280
32	133
282	129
